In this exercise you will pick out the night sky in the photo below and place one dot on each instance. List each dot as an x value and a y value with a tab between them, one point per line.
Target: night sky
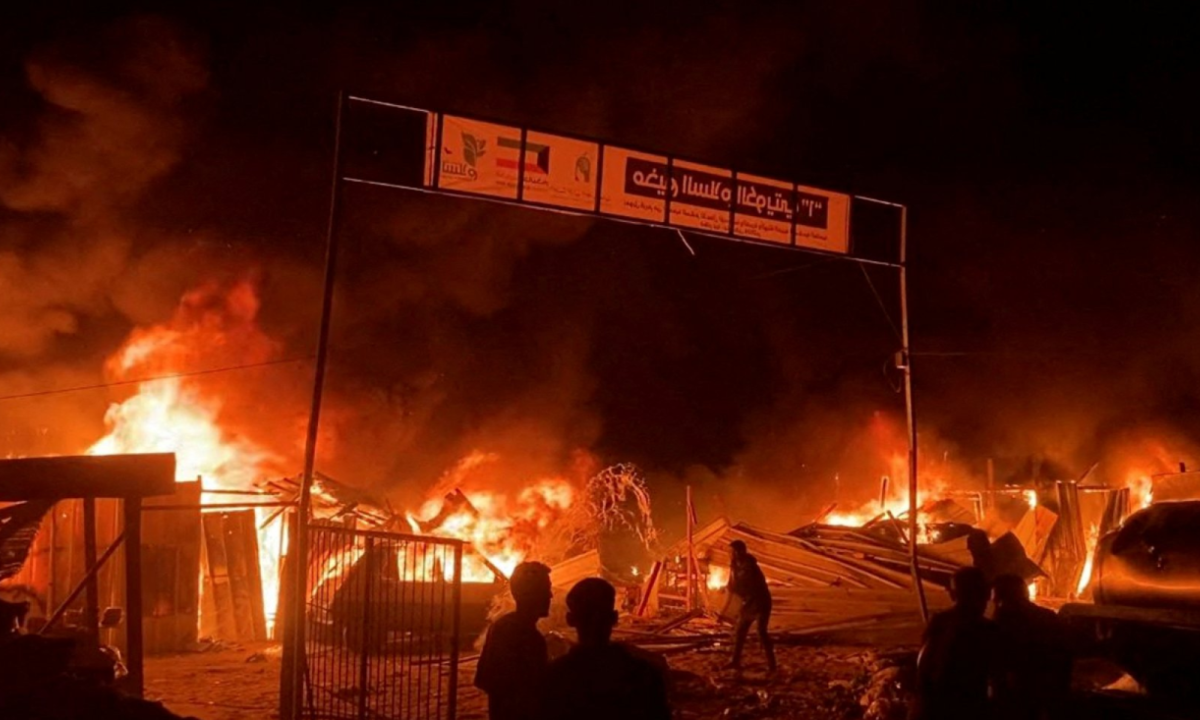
1049	158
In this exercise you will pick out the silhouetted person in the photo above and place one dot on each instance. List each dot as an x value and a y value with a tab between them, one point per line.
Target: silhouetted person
512	666
599	679
746	580
1035	657
955	666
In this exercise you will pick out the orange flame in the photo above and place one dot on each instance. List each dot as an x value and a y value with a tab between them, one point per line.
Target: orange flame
718	577
1085	576
1141	490
896	499
502	528
176	415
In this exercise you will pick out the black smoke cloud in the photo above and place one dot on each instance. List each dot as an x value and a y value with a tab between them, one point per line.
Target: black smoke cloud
1051	283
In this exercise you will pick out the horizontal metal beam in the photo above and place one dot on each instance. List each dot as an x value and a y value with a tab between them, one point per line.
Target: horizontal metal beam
613	218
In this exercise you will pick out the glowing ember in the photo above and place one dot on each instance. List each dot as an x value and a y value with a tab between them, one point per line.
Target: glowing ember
176	415
1031	498
1033	590
718	577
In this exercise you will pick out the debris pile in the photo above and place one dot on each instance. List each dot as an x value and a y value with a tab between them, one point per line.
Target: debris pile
824	580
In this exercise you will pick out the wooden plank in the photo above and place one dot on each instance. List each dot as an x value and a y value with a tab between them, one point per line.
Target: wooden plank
133	595
208	601
258	612
835	566
245	585
569	572
87	476
171	569
91	613
218	575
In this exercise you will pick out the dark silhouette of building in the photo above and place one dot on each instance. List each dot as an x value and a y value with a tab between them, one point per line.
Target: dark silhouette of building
512	666
746	580
599	679
956	666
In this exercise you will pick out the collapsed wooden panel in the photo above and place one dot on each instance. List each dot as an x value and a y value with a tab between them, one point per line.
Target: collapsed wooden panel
233	603
170	570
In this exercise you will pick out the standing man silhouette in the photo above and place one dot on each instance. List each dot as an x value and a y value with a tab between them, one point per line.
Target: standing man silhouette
957	663
746	580
512	666
1035	654
599	679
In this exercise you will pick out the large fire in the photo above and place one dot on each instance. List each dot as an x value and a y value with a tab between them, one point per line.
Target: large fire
177	414
893	496
501	529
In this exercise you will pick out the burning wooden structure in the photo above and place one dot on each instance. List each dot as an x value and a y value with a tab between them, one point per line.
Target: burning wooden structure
39	483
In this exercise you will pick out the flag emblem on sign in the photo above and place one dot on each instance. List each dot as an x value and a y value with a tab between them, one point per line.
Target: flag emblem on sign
536	155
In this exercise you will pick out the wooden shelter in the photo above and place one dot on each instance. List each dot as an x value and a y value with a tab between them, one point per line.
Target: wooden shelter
125	480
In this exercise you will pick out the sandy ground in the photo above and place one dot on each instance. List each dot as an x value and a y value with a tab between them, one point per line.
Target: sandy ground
234	682
814	683
242	683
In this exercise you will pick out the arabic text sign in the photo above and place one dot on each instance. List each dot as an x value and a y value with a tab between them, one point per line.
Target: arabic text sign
701	196
635	185
822	219
506	162
765	209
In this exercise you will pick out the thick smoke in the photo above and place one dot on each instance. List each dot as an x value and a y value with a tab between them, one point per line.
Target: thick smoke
463	327
111	123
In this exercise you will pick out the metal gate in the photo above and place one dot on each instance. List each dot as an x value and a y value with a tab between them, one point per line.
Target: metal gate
382	625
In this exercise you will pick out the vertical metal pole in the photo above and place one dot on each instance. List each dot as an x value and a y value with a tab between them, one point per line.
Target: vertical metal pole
991	485
691	580
911	415
455	619
91	613
291	676
364	650
134	646
51	596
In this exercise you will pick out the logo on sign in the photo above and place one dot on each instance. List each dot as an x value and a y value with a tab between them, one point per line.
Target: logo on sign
812	210
536	156
473	149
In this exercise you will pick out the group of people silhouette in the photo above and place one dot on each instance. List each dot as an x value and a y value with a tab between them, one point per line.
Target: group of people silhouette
1016	664
597	679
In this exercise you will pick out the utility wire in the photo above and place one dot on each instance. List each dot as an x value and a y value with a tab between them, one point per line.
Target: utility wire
879	300
98	386
794	268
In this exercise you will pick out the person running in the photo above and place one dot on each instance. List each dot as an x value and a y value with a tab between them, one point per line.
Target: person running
512	666
599	679
746	580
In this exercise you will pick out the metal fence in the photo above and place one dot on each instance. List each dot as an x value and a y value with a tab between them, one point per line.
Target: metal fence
382	625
